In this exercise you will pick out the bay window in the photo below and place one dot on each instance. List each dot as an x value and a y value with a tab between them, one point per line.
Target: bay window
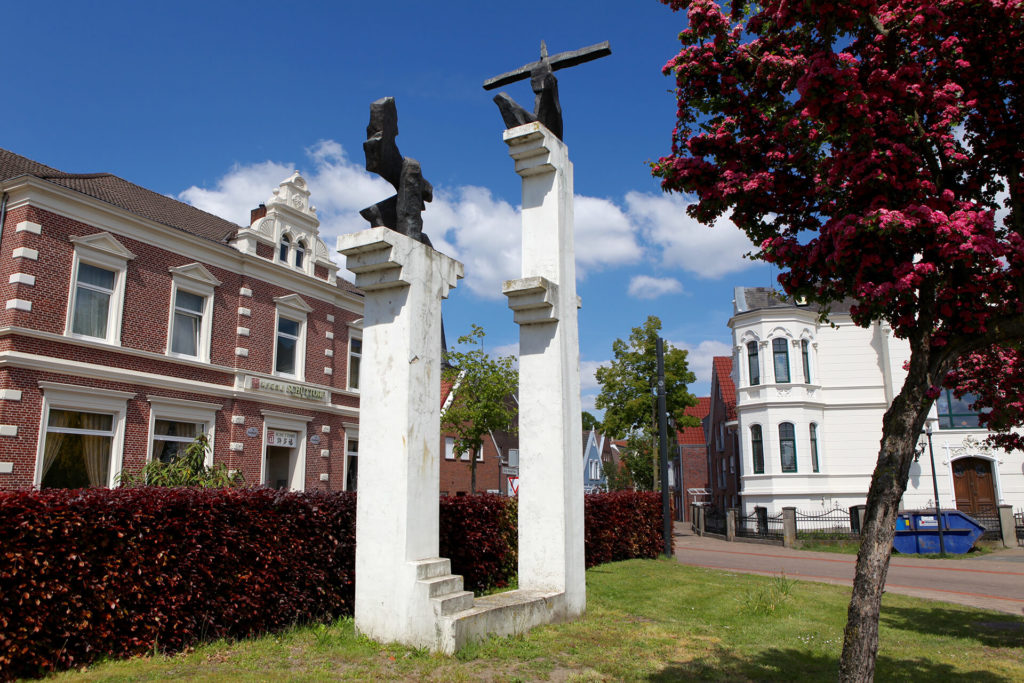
753	364
787	446
780	354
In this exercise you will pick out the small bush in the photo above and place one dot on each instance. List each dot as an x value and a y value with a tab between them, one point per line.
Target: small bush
622	525
479	535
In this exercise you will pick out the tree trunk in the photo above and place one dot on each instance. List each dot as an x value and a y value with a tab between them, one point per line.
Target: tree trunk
472	472
901	428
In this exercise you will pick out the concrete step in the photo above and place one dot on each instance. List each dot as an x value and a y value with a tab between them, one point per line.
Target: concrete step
443	585
454	602
432	567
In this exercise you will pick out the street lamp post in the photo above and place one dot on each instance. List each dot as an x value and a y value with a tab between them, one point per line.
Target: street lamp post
935	488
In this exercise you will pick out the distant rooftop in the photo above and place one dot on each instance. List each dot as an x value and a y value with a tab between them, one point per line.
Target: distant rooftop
758	298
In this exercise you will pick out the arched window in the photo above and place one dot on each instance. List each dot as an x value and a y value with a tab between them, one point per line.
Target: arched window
787	446
814	447
753	364
757	448
286	243
780	352
805	352
300	253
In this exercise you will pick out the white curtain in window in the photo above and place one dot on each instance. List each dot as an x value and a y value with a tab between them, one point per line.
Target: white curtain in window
96	449
54	440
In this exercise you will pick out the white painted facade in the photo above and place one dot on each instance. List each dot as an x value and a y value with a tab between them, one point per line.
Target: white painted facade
851	375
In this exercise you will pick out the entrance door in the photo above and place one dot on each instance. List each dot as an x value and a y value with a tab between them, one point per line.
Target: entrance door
280	467
973	486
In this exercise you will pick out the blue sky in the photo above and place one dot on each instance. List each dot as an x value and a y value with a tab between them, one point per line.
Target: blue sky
215	103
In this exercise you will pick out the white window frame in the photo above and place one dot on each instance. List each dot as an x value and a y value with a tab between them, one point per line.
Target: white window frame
509	457
351	434
193	279
288	422
293	308
348	360
181	410
101	250
449	448
86	400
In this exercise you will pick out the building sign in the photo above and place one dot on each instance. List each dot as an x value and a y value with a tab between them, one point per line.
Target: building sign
299	391
252	432
275	437
315	439
513	486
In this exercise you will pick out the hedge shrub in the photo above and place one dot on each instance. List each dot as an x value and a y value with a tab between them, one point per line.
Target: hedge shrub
118	572
478	534
622	525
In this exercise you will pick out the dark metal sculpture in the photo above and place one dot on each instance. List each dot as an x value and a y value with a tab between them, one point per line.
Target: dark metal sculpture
401	212
546	107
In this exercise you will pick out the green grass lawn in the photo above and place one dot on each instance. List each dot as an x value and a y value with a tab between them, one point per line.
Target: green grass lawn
646	620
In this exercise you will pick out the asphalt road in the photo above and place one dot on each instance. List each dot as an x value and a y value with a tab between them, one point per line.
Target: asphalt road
994	581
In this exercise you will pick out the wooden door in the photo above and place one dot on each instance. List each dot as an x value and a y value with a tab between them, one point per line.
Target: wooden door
973	486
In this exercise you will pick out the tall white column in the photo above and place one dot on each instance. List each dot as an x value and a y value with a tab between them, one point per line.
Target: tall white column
400	402
544	301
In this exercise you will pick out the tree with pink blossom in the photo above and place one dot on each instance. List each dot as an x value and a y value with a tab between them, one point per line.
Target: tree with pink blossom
872	150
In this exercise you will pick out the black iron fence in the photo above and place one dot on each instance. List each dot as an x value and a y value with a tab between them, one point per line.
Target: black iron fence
990	520
827	524
714	521
759	524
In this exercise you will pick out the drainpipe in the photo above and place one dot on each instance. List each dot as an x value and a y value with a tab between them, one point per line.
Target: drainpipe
3	214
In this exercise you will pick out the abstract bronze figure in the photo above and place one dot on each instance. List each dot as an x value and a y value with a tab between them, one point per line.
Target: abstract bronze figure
401	212
546	107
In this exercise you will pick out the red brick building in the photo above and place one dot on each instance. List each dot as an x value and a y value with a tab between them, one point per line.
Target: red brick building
497	461
133	322
723	450
691	463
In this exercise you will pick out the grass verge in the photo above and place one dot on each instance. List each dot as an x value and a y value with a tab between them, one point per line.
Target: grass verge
646	620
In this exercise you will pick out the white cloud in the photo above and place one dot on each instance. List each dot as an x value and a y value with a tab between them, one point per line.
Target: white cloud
588	378
604	235
699	359
467	222
682	242
647	287
240	190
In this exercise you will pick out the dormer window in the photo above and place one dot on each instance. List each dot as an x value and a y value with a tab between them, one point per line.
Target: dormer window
300	253
286	244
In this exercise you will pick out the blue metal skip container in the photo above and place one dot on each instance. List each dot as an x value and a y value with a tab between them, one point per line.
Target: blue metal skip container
917	532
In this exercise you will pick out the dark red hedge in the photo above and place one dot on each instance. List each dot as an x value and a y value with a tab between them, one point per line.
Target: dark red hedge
478	534
96	573
622	525
118	572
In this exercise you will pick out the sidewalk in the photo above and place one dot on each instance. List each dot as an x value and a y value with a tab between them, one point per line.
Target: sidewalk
994	581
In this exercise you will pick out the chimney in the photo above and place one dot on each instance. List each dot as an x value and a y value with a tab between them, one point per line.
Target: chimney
257	213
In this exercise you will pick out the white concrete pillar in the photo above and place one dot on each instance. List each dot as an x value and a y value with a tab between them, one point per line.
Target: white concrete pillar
544	301
399	459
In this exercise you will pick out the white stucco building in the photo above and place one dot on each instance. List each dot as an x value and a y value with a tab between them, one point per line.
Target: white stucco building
809	403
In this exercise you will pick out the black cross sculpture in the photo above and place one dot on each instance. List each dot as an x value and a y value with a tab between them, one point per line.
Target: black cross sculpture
546	107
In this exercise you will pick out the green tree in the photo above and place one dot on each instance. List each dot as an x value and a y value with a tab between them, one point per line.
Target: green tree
639	458
590	422
482	396
629	393
187	469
